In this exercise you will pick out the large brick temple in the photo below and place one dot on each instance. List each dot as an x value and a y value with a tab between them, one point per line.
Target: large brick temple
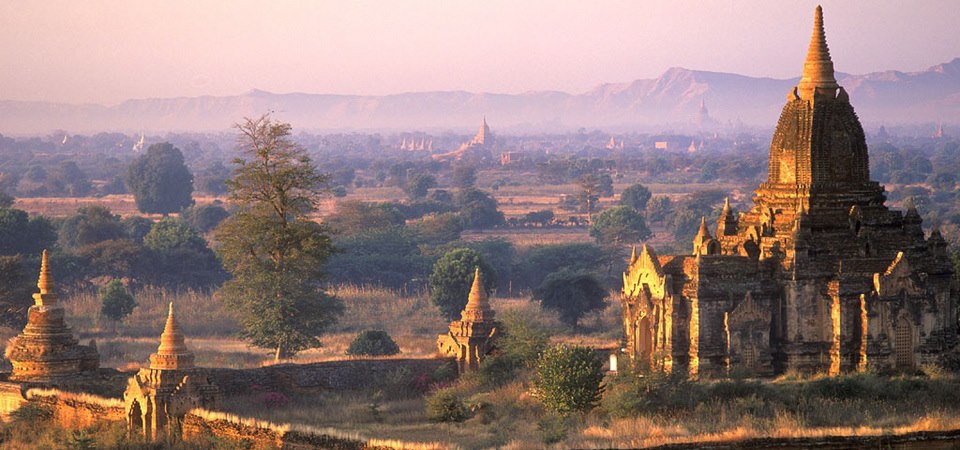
818	276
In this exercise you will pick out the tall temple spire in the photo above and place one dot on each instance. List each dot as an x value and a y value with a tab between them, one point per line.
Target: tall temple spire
478	295
45	283
818	67
172	353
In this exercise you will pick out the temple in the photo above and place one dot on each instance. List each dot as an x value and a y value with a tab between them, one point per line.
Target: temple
472	337
46	351
477	148
818	276
158	397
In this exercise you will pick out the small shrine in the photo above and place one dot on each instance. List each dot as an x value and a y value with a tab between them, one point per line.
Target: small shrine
472	337
158	397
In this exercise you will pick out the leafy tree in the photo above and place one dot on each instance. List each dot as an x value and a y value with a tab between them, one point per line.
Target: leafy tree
605	185
569	379
619	225
172	233
117	302
275	252
179	256
452	277
388	257
589	194
160	181
21	234
373	343
136	227
540	261
445	405
67	179
571	294
543	217
419	185
500	254
478	209
464	176
90	225
354	217
658	208
16	286
205	217
6	200
116	258
438	229
636	196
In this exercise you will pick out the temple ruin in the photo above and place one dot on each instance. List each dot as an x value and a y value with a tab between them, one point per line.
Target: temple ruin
46	351
818	276
472	337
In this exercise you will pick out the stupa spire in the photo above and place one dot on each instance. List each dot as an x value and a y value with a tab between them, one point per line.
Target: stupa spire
478	296
818	67
47	295
173	352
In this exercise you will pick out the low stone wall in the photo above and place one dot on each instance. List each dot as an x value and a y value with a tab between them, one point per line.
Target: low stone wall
266	435
77	410
923	440
330	375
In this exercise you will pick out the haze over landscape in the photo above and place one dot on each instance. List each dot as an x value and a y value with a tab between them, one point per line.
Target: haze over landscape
534	66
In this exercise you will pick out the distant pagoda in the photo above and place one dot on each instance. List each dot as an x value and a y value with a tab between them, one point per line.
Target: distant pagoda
46	351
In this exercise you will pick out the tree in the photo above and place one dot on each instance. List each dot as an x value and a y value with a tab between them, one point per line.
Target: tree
117	302
452	277
636	196
22	234
572	294
275	252
205	217
90	225
6	200
619	225
589	194
464	176
373	343
180	256
540	261
478	209
16	286
136	227
353	217
160	181
569	379
605	185
419	185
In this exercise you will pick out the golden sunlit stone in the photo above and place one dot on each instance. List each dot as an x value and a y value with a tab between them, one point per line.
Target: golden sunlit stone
817	275
46	351
472	337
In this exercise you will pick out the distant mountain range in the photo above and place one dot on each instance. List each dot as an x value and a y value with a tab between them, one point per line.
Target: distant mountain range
672	100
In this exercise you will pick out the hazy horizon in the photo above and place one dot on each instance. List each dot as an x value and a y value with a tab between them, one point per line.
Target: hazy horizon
106	52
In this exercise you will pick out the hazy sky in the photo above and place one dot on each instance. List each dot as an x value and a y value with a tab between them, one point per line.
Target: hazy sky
109	51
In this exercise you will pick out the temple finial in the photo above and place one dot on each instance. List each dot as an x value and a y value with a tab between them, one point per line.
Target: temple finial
478	296
172	352
818	67
47	295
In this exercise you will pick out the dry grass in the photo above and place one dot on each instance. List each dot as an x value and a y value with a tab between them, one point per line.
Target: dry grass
121	204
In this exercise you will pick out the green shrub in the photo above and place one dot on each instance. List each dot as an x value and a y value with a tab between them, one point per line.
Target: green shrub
445	405
569	378
552	429
117	301
373	343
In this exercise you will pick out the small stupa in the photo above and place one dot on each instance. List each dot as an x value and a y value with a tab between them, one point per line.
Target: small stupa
158	397
46	351
472	337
